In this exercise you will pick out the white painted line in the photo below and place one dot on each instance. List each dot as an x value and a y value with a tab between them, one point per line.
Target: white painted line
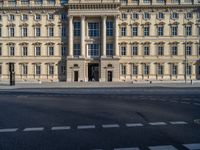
197	104
134	125
164	147
185	102
61	128
33	129
131	148
178	122
194	146
157	123
110	126
9	130
86	127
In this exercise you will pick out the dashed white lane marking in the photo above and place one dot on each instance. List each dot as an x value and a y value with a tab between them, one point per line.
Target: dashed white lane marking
194	146
134	125
9	130
86	127
157	123
61	128
197	104
33	129
131	148
110	126
164	147
178	122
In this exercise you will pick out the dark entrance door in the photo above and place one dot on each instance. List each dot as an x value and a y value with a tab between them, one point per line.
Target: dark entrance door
93	72
75	76
110	76
12	73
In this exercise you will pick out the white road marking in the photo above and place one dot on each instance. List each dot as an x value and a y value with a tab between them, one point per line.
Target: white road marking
33	129
86	127
61	128
157	123
164	147
134	125
9	130
194	146
110	126
197	104
178	122
131	148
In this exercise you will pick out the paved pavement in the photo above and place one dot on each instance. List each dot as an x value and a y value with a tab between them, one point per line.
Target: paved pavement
122	119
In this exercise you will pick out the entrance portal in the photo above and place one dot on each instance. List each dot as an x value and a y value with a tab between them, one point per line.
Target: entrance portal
110	74
93	72
75	76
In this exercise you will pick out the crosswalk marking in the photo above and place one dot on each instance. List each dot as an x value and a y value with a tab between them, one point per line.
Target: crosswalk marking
157	123
164	147
194	146
9	130
110	126
33	129
134	125
86	127
178	122
61	128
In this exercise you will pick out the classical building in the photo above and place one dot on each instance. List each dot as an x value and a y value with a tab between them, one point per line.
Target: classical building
100	40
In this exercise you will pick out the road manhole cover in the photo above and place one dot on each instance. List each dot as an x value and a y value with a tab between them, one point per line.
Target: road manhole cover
197	121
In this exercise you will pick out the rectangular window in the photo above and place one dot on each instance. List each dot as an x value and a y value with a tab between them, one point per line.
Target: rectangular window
11	31
124	16
77	26
134	50
37	17
109	50
93	29
109	28
160	30
63	16
11	17
188	50
37	51
123	69
37	31
146	31
135	16
188	30
174	30
123	31
24	51
24	69
188	69
135	70
77	50
50	50
146	69
64	51
0	50
24	32
146	1
50	16
11	51
123	50
146	15
38	2
0	32
24	17
37	70
135	31
93	50
51	31
160	69
174	69
0	69
160	15
51	70
146	50
174	15
63	32
160	50
174	50
24	2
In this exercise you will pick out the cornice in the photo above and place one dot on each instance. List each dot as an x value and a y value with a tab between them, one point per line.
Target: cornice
6	8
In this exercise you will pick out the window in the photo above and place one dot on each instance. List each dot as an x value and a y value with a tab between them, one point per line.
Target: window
160	50
51	2
12	2
50	51
189	15
146	15
24	51
188	69
93	29
146	31
123	31
146	50
50	16
146	69
37	17
188	50
174	50
24	31
174	30
175	1
174	15
63	32
0	17
174	69
24	2
160	1
93	50
198	49
109	49
124	16
11	31
135	1
134	50
51	70
0	69
109	28
160	15
11	17
37	69
135	16
50	31
64	51
11	51
146	1
0	32
135	70
24	17
38	2
160	30
188	30
37	51
63	16
134	31
77	50
160	69
123	69
123	50
37	31
77	26
24	69
0	50
197	31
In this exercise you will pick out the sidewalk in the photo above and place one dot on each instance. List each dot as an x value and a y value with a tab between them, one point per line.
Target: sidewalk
174	84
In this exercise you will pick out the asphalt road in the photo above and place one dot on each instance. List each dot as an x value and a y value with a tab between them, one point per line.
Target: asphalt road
86	119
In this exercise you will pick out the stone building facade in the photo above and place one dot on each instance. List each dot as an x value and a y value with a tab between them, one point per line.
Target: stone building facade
100	40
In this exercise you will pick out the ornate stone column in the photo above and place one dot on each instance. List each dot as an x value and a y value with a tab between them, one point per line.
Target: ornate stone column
83	36
104	35
70	44
116	36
